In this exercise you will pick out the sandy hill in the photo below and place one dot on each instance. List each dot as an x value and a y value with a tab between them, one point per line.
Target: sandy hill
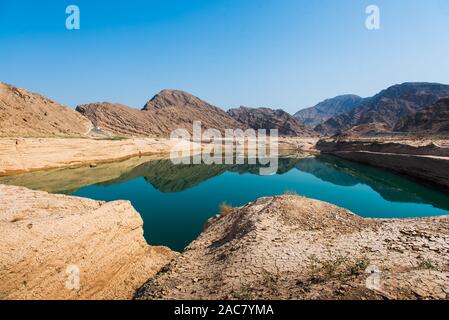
265	118
165	112
25	114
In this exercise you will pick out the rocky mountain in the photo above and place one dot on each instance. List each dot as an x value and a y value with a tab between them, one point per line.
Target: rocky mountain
165	112
118	119
27	114
327	109
265	118
434	119
387	107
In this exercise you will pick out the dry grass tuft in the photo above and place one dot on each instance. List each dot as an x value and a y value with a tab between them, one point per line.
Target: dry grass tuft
226	209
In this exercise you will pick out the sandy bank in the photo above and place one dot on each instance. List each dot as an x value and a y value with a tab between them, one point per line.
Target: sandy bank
291	247
44	236
19	155
30	154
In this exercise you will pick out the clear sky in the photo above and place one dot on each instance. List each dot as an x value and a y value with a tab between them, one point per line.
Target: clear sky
275	53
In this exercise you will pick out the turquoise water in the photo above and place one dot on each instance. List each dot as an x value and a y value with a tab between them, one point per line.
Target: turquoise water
176	201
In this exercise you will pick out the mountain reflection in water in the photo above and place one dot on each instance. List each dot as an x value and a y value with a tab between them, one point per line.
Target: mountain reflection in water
176	200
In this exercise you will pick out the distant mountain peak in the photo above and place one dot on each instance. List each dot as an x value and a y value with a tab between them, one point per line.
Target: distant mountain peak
327	109
266	118
170	98
386	108
165	112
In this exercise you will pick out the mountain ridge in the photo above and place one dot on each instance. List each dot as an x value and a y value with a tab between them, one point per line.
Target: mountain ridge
165	112
433	119
327	109
387	107
266	118
24	113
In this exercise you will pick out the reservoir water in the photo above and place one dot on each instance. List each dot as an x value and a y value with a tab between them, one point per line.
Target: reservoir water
175	201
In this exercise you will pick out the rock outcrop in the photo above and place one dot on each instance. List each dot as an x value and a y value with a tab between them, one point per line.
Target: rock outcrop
388	107
47	239
291	247
165	112
27	114
431	120
425	160
327	109
265	118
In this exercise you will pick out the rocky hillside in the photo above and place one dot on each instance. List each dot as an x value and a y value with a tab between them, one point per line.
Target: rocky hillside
165	112
327	109
120	120
44	236
434	119
387	108
291	247
265	118
27	114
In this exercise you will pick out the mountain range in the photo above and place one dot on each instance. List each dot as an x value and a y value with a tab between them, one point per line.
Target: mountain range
386	109
266	118
408	107
165	112
327	109
433	119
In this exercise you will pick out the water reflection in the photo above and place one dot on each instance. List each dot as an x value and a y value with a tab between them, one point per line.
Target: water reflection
168	178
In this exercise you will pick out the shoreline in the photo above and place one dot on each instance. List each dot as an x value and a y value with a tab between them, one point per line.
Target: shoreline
47	236
292	247
54	219
23	155
426	160
42	224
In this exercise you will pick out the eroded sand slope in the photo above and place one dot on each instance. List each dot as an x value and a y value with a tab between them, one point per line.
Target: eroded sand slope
44	234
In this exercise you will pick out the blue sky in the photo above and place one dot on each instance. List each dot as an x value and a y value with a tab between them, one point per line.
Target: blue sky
275	53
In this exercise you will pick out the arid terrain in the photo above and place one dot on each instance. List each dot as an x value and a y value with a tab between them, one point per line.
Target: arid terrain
30	154
44	234
291	247
328	109
21	155
23	113
386	109
165	112
430	120
273	248
265	118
